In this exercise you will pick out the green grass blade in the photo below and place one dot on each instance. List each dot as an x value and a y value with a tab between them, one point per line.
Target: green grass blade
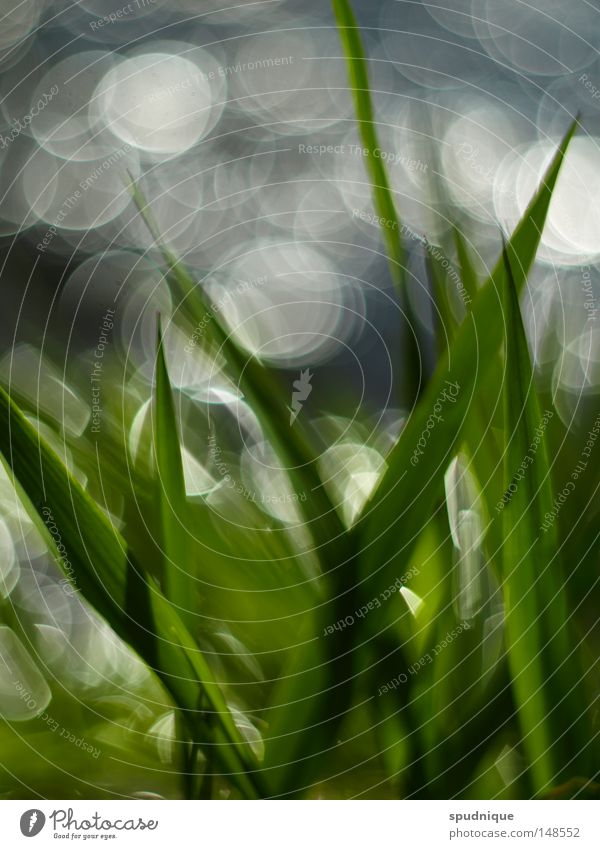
102	566
479	430
445	322
359	81
179	581
403	503
393	518
545	672
383	198
467	269
443	276
263	393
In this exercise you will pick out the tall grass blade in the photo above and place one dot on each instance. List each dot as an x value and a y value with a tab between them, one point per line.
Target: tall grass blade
403	501
383	198
356	61
179	580
545	669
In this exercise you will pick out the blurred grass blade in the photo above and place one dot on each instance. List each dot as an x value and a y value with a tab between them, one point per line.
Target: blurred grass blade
101	565
545	672
403	501
178	576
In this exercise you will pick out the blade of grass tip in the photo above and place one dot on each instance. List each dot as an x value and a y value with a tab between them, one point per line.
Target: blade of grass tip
356	62
444	320
442	202
439	267
479	422
99	563
263	392
292	444
393	518
178	572
546	672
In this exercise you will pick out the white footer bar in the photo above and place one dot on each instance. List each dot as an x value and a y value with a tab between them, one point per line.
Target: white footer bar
301	825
